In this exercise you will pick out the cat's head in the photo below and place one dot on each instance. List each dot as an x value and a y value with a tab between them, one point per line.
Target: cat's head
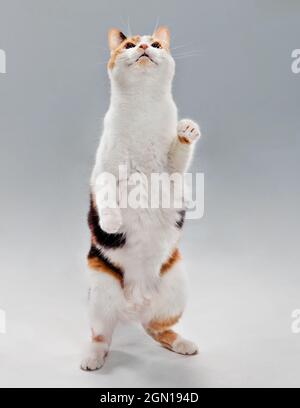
138	56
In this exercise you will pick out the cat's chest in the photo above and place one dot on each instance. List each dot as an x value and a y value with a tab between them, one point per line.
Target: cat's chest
140	134
142	143
147	158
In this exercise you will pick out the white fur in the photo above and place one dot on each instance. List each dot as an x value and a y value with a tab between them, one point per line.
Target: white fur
181	154
170	299
183	346
94	356
140	131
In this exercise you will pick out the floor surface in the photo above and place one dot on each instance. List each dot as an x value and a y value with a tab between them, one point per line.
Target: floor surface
241	321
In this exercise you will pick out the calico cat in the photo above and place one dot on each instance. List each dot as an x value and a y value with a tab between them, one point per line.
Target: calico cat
135	265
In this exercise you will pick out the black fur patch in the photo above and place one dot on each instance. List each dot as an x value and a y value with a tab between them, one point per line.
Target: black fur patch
180	222
122	36
97	253
103	238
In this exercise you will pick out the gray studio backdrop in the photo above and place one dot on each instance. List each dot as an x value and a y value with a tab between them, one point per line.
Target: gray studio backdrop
243	256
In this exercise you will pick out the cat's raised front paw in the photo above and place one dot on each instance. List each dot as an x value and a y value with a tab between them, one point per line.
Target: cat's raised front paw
188	131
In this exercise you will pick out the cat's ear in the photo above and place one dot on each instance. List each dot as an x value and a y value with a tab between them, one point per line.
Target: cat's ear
115	38
163	34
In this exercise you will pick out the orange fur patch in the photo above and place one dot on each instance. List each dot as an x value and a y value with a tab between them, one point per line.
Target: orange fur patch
144	61
184	140
163	34
98	265
165	338
162	325
175	257
97	338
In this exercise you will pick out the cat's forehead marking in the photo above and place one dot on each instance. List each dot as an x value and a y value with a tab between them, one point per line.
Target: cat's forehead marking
139	39
135	38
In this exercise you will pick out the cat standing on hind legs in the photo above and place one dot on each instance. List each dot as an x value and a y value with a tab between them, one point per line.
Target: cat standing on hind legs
134	262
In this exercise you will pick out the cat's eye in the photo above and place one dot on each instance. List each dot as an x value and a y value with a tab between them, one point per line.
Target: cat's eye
156	44
129	45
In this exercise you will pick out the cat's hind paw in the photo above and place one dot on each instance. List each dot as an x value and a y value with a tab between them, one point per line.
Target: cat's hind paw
188	131
94	357
183	346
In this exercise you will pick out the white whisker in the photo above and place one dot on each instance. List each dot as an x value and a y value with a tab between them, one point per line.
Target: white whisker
129	27
190	44
186	56
177	46
187	53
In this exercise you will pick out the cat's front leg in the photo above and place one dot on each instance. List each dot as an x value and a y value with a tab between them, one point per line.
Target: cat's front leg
106	302
110	220
110	216
180	155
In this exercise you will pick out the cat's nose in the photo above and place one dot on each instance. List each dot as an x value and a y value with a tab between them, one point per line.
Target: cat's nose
144	46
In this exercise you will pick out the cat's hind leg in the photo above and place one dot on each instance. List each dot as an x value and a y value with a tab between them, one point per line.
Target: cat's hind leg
167	307
106	301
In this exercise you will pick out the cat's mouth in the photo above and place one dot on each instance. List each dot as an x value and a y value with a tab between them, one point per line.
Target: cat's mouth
144	55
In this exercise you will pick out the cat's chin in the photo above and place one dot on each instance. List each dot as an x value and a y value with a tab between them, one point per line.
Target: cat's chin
145	60
145	64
